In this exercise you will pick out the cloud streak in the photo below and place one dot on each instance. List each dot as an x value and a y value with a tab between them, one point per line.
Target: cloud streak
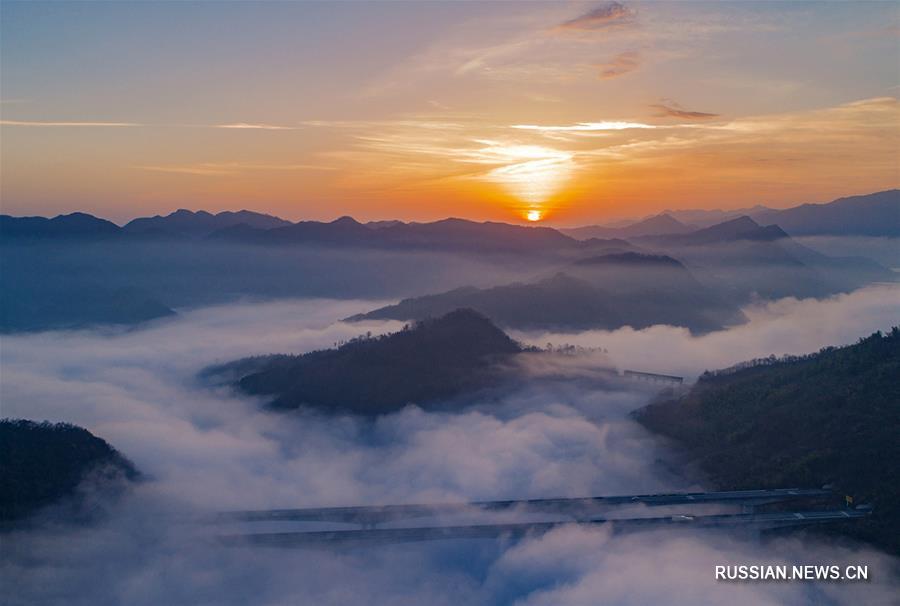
254	126
605	16
620	65
670	109
218	169
40	124
584	126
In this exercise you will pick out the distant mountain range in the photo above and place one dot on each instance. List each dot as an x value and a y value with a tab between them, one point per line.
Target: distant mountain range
77	270
871	215
746	260
655	225
876	214
828	418
444	235
424	364
602	292
75	225
201	223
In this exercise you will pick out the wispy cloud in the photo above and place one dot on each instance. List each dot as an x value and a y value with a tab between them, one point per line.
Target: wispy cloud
218	169
253	126
50	124
620	65
669	109
607	15
583	126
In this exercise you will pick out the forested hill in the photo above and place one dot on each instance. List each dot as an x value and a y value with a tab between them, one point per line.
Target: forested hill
828	418
424	363
41	463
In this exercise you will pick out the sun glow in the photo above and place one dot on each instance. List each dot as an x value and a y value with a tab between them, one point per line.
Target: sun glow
532	173
533	215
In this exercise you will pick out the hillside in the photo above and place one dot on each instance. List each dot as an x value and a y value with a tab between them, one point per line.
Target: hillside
875	214
422	364
828	418
602	292
66	304
740	228
42	463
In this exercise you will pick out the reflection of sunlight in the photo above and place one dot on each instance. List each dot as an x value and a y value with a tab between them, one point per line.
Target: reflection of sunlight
532	173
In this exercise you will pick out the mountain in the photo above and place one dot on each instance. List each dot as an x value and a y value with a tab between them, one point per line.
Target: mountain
742	259
832	417
201	223
602	292
706	217
64	305
43	463
422	364
740	228
444	235
651	226
74	225
875	214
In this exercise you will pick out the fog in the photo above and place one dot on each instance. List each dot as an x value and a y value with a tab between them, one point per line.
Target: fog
204	449
786	326
881	249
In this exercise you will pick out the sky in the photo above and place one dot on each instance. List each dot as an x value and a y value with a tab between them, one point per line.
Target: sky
564	112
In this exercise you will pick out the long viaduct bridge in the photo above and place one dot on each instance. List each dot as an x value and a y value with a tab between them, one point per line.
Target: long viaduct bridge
586	511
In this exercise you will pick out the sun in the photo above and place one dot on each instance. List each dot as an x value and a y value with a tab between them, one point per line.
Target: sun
533	215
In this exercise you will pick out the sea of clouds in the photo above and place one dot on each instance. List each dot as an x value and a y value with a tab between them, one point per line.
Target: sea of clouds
206	449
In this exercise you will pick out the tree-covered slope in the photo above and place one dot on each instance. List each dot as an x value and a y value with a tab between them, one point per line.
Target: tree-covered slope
424	363
41	463
832	417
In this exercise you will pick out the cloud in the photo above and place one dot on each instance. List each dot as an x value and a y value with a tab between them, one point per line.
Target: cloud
786	326
605	16
50	124
250	126
669	109
208	449
217	169
620	65
584	126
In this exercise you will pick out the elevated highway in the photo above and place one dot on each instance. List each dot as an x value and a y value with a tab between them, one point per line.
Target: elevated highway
584	511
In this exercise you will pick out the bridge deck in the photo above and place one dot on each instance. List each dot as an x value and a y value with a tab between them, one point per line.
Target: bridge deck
570	506
517	530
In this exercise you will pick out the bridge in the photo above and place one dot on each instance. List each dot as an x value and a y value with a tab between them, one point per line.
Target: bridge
585	511
653	377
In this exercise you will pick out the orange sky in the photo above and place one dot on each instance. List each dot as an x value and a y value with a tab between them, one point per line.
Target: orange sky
575	112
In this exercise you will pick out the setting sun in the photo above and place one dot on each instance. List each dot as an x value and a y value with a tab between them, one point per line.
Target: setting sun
533	215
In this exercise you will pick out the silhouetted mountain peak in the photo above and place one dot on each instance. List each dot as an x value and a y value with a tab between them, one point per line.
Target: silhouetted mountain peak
431	360
77	224
201	223
739	228
876	214
345	220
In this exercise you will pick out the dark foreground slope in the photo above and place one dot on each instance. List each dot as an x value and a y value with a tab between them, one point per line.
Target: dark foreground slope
602	292
422	364
828	418
42	463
